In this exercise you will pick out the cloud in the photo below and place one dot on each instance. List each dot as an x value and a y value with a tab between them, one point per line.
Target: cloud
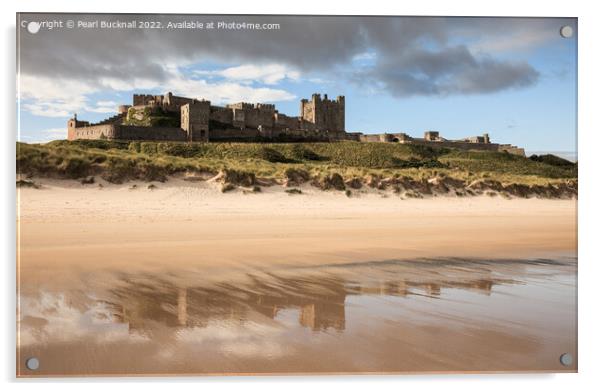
44	135
61	97
224	92
103	106
51	317
249	340
454	70
106	103
55	97
515	41
53	134
516	35
267	74
47	109
403	56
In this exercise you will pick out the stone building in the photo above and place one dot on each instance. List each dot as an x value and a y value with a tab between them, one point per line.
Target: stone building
320	119
434	139
321	113
192	120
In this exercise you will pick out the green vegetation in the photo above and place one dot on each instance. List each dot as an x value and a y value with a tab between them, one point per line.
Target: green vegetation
508	164
552	160
327	165
148	117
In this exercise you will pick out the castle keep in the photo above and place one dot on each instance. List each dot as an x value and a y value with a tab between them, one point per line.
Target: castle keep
174	118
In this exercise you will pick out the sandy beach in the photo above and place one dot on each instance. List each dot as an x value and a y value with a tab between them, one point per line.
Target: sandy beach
196	223
276	283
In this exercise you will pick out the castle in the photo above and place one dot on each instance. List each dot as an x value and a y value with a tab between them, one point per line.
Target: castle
174	118
321	119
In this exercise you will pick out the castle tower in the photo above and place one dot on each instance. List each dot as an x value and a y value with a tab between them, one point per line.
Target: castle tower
194	119
71	125
167	100
341	112
431	135
325	114
123	109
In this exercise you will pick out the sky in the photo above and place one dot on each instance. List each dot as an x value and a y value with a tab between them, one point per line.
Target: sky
514	78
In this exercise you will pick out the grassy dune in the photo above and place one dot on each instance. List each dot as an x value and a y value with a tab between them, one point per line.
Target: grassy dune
119	161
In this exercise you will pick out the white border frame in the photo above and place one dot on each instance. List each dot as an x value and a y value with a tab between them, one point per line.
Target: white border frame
589	144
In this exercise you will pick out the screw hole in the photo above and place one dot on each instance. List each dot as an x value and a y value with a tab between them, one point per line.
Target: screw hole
566	359
32	363
566	31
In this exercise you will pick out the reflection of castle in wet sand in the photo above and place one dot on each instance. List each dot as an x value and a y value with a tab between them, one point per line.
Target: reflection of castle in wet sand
446	314
320	301
142	309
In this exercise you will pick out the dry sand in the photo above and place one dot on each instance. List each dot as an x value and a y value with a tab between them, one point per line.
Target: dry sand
194	223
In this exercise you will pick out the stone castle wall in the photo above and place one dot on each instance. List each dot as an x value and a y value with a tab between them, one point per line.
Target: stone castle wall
460	144
94	132
512	149
253	118
126	132
456	144
375	138
234	134
282	121
266	134
221	114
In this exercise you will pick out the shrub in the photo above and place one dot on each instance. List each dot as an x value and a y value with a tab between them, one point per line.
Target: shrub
119	170
273	156
148	148
75	167
552	160
181	149
99	144
240	178
152	172
332	181
97	158
295	176
300	152
134	146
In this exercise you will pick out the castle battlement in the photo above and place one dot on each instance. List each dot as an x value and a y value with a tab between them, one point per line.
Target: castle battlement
252	106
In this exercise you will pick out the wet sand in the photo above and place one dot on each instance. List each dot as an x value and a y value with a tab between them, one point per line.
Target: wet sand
186	280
